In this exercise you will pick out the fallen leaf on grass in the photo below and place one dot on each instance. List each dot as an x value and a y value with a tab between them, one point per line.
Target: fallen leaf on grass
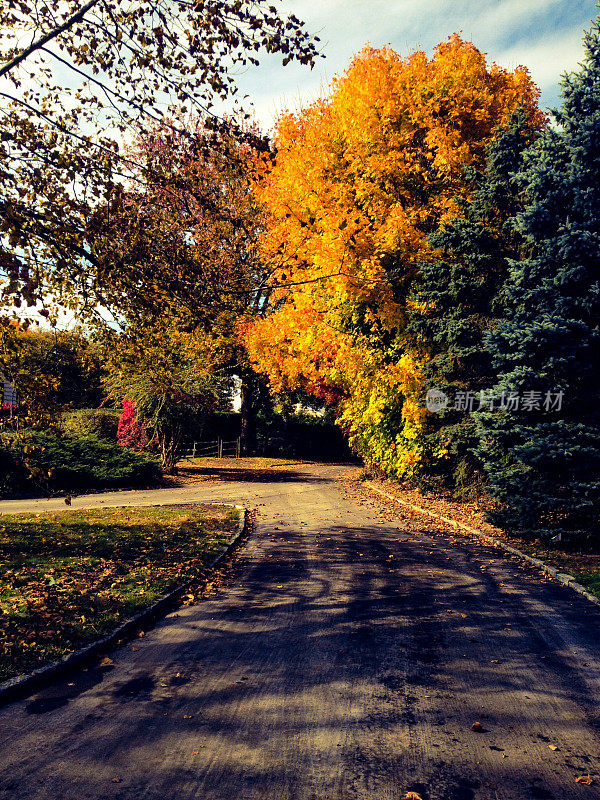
587	780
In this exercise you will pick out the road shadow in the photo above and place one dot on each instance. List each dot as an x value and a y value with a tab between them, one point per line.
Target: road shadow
336	676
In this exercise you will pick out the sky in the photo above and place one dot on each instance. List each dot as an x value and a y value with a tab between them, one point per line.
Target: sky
543	35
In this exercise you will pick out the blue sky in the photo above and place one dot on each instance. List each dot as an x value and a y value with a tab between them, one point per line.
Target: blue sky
544	35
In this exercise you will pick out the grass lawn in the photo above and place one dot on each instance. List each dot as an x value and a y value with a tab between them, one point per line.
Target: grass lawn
70	577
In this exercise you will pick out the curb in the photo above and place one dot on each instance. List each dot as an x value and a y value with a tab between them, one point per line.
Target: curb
22	685
561	577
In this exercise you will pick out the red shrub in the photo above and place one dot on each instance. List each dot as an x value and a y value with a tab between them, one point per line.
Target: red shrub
131	433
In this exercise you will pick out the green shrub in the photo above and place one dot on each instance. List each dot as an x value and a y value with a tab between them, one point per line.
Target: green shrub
13	472
47	461
99	422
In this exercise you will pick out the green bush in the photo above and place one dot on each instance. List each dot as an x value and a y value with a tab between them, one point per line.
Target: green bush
47	461
99	422
14	474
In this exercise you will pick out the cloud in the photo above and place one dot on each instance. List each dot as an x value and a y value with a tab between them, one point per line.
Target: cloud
547	59
544	35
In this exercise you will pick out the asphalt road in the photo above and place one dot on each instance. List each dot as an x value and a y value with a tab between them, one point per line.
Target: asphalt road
346	657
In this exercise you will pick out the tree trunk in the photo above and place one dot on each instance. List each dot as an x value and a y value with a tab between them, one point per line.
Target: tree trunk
247	414
170	447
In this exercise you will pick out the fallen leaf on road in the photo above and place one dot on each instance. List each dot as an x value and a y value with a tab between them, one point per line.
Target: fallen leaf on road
552	747
477	726
587	780
106	662
412	796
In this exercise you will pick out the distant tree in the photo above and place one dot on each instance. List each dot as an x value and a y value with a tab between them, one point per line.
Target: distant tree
181	242
51	371
171	379
543	460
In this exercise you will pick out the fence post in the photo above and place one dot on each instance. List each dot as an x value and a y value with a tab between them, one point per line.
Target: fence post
194	451
237	448
220	448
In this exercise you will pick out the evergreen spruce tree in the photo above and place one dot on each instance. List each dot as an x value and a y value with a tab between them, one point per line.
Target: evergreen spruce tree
543	460
458	298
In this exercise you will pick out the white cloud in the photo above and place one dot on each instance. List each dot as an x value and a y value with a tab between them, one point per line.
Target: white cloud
547	59
544	35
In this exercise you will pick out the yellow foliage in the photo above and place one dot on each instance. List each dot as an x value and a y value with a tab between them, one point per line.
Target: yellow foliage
359	181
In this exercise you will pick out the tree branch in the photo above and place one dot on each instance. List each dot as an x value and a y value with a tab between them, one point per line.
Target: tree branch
47	37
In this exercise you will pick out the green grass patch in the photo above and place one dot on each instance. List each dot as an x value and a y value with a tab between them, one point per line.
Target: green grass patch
70	577
591	581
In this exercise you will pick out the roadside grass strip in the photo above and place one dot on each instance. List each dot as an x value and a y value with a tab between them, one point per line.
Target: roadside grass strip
69	578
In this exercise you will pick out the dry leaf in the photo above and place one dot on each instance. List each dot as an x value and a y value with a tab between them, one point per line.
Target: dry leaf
552	747
477	726
412	796
587	780
106	662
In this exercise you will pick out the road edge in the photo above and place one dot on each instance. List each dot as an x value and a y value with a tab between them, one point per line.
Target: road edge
562	577
23	685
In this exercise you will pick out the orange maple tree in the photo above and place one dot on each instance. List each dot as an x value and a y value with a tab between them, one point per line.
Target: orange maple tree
359	181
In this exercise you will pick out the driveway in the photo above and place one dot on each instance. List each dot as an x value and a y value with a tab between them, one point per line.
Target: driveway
347	657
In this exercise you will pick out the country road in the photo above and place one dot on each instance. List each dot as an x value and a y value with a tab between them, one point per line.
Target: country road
345	658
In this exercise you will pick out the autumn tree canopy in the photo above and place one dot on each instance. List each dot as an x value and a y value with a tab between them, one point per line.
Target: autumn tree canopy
76	78
178	250
361	179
